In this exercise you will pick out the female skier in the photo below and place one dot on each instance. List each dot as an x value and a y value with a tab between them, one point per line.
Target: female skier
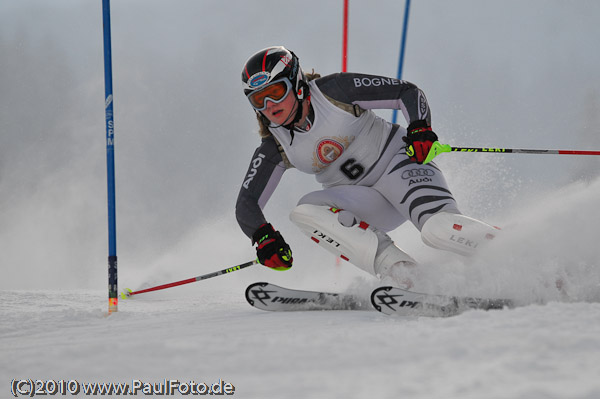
371	170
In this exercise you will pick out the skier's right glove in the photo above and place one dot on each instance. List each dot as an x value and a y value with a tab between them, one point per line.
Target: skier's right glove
272	250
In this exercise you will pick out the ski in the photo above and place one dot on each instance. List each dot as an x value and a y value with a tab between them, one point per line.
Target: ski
266	296
396	301
387	300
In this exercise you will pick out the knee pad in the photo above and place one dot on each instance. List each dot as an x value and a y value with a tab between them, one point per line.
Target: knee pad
456	233
357	244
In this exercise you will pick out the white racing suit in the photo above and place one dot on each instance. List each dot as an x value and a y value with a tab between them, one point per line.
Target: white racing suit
360	160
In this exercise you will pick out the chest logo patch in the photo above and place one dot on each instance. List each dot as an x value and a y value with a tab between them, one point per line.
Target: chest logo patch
329	150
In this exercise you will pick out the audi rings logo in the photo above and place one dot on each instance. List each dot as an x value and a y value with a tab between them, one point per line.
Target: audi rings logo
409	174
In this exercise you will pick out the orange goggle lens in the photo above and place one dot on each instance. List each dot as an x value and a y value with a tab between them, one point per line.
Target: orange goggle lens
276	92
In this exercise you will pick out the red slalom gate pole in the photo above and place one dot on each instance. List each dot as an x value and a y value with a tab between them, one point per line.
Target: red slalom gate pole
345	39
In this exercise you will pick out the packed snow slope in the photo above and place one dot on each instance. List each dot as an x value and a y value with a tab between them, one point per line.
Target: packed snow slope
535	351
205	332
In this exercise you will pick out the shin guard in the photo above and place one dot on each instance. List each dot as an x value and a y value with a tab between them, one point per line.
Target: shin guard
357	244
456	233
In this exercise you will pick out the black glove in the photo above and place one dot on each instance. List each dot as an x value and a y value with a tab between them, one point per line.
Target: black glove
419	139
272	250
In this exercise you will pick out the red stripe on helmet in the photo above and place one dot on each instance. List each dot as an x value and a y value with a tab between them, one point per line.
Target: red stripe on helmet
264	60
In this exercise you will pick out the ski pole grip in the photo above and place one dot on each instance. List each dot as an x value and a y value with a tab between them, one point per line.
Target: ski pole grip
436	149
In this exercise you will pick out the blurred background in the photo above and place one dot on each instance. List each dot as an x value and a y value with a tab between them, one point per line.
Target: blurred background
496	74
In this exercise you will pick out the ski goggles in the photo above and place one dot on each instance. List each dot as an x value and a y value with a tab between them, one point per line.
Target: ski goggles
275	92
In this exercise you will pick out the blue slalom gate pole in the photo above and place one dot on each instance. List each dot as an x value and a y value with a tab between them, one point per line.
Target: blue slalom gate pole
402	48
113	296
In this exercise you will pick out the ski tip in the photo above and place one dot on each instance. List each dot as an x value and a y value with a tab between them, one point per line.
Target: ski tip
248	293
126	293
374	300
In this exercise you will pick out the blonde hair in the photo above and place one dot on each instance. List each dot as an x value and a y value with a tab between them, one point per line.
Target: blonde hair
263	121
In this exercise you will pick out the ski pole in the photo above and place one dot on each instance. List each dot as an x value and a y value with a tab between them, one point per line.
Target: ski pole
438	148
127	292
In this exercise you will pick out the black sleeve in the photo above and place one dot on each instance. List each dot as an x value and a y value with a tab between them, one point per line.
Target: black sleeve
377	92
263	176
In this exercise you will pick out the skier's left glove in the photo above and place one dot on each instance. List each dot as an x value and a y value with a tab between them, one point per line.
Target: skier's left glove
419	139
272	250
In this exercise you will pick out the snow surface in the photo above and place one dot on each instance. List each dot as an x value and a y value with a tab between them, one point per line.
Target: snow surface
549	347
535	351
